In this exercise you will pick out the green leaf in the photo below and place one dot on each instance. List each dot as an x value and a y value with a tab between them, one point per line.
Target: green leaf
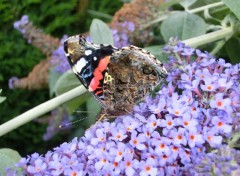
157	51
168	4
2	98
183	25
187	3
232	47
100	32
8	158
53	76
234	6
93	108
235	139
66	82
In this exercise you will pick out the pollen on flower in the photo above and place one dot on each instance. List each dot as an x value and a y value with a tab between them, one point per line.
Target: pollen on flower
192	137
147	168
179	137
219	103
164	157
128	164
135	141
169	123
209	138
120	153
185	123
220	124
154	124
209	87
177	112
115	164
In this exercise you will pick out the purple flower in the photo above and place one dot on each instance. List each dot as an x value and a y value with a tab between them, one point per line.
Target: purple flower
19	25
137	141
147	169
59	60
38	167
220	102
12	82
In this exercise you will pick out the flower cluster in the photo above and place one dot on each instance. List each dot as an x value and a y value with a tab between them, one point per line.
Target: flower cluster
59	60
19	25
121	33
173	133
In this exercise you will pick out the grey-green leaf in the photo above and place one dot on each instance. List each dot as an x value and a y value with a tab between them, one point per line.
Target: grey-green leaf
187	3
183	25
53	76
100	32
66	82
234	6
8	158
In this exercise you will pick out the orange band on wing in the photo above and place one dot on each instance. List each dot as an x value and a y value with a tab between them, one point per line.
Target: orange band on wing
98	73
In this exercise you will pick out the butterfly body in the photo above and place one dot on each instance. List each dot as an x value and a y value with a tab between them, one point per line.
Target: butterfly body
117	78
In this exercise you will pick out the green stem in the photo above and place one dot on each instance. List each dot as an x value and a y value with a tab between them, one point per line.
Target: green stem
196	10
209	37
199	9
40	110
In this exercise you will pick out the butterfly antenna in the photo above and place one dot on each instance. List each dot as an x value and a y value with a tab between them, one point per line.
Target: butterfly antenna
78	111
70	123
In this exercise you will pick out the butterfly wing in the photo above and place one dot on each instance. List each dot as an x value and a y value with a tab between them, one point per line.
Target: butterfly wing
90	63
132	74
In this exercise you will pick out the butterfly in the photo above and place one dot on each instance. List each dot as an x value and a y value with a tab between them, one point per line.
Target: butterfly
117	78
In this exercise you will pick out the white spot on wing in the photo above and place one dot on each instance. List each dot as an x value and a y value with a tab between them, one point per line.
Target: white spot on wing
88	52
80	64
95	58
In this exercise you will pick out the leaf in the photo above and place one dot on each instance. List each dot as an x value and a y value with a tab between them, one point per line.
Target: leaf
8	158
183	25
66	82
93	108
234	6
187	3
53	76
232	47
100	32
235	139
168	4
157	51
2	98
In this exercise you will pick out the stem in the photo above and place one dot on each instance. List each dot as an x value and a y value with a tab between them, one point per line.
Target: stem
218	46
40	110
199	9
196	10
210	37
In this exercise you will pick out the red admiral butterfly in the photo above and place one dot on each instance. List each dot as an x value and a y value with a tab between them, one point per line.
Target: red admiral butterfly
117	78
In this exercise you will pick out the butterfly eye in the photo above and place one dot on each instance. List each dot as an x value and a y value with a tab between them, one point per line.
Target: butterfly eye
128	62
147	70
